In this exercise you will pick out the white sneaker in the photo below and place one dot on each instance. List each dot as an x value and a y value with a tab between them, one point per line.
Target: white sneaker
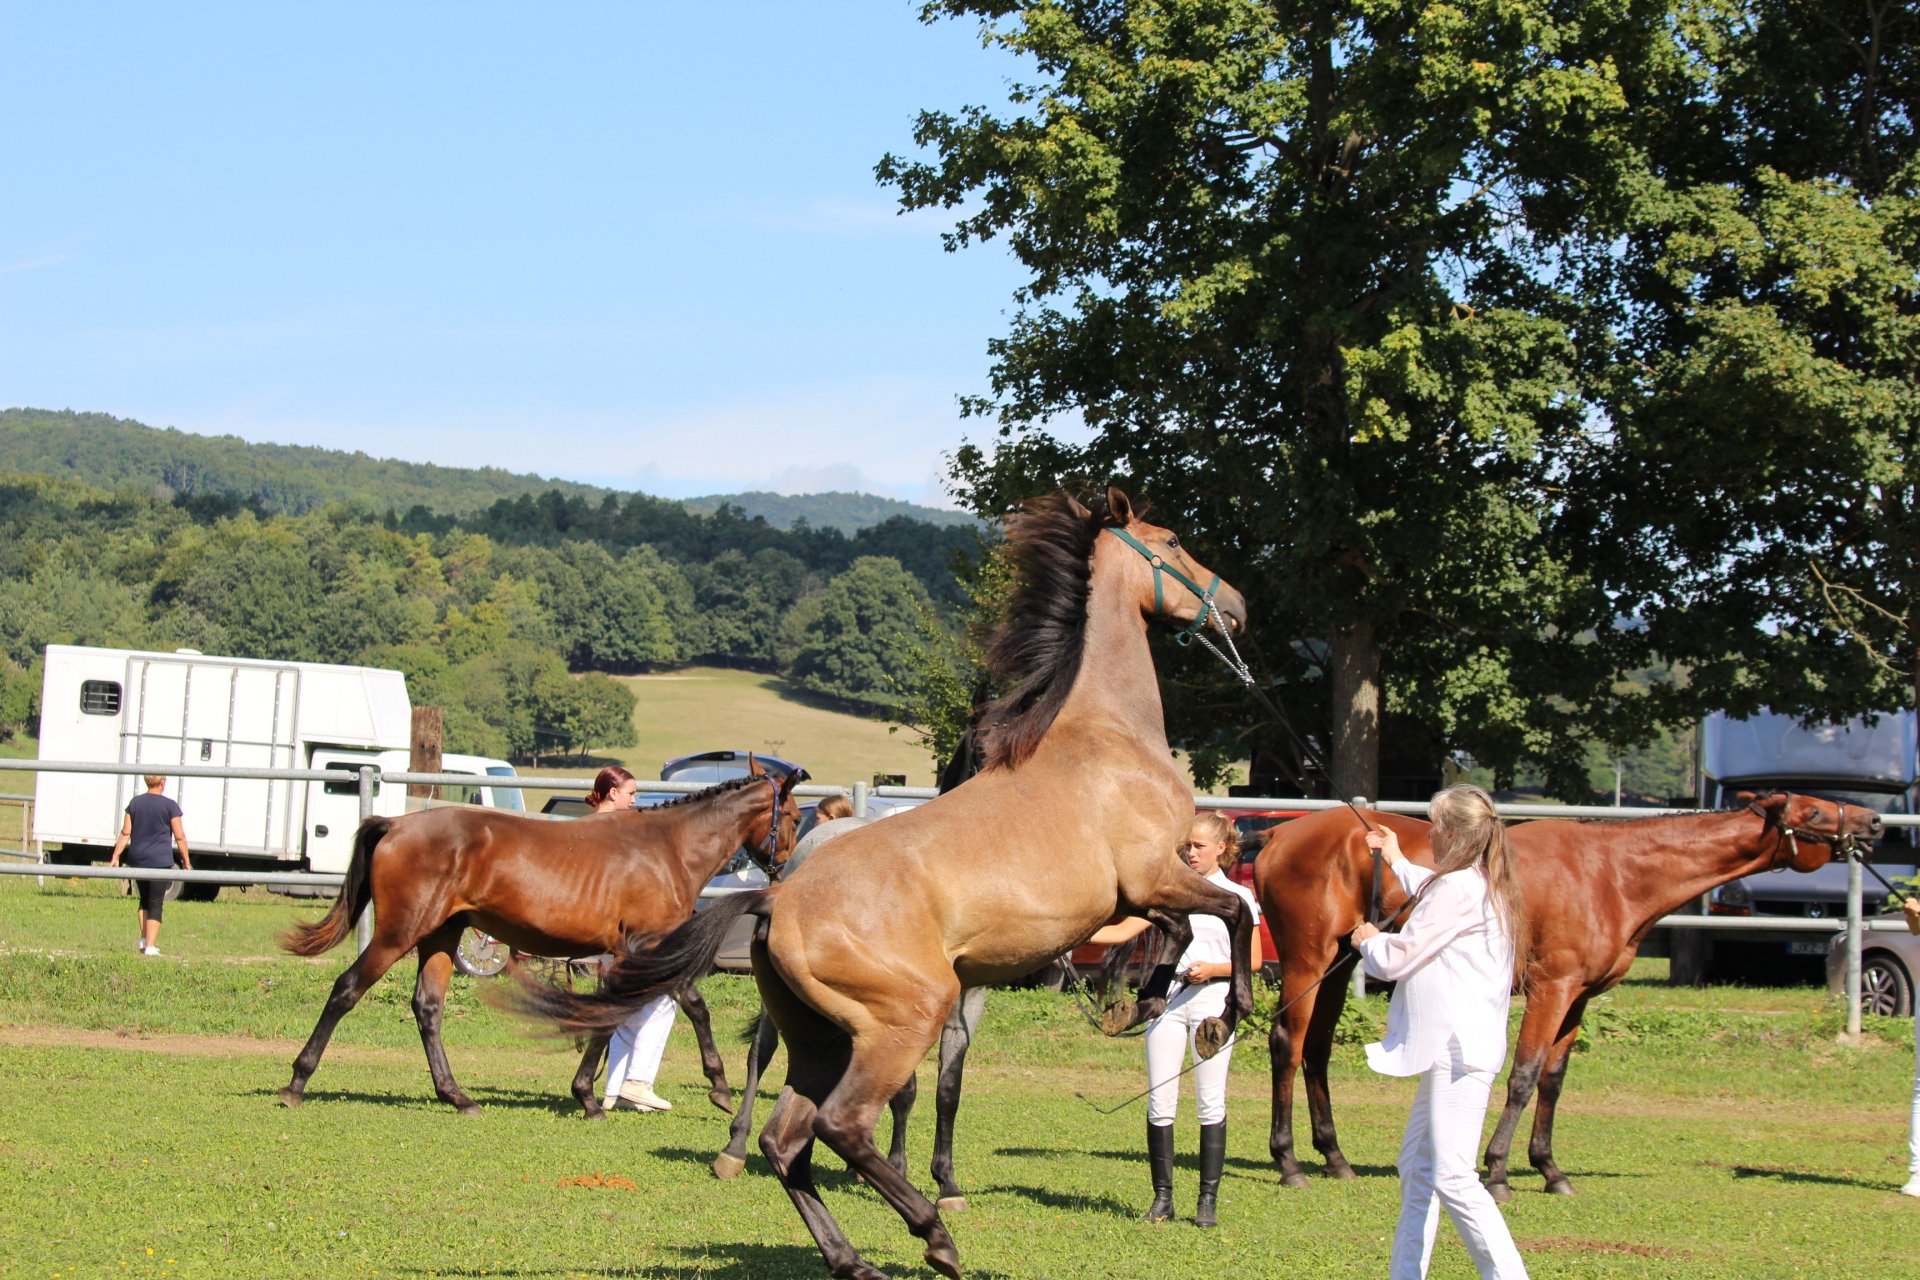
1913	1186
638	1095
149	951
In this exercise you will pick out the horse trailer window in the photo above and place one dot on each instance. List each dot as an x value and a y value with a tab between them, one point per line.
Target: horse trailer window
349	786
99	698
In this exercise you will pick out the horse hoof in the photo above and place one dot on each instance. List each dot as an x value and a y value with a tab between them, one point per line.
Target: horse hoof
1500	1191
1120	1015
1210	1037
721	1098
1559	1187
1296	1180
951	1204
945	1259
726	1167
470	1110
291	1098
1339	1171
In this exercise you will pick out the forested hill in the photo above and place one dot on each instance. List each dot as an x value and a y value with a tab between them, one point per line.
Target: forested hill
847	512
118	453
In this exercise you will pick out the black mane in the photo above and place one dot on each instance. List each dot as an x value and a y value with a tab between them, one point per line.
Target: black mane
1034	654
718	788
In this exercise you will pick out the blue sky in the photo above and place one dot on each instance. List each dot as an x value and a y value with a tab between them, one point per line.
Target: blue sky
634	244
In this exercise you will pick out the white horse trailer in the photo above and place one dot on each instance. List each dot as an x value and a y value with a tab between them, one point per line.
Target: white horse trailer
165	709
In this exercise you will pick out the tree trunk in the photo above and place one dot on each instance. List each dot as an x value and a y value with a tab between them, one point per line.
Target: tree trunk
1356	712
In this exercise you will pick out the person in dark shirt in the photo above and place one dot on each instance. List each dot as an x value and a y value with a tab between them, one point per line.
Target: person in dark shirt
151	828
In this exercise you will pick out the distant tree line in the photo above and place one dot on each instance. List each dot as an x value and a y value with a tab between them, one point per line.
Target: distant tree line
508	620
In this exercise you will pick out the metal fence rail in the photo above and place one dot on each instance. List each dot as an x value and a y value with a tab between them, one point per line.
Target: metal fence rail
860	793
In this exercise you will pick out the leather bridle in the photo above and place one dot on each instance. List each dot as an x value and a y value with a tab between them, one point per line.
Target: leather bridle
762	855
1844	844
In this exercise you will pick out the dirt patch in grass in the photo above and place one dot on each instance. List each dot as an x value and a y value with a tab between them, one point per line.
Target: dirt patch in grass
1581	1244
184	1046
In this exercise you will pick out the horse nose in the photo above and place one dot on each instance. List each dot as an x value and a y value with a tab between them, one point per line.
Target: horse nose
1875	827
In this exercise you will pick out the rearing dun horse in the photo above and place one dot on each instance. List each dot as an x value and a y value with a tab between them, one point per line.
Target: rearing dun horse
1593	890
1074	818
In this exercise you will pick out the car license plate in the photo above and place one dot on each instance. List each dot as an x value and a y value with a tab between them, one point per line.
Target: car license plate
1809	946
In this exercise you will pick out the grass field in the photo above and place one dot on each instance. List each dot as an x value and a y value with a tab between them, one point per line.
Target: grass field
1710	1134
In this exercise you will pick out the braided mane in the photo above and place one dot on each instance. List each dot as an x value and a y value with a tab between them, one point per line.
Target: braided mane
718	788
1034	653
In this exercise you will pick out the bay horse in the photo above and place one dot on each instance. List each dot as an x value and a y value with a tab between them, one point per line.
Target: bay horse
1074	818
1593	890
562	889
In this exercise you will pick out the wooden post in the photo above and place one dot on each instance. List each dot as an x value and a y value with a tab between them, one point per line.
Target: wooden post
429	731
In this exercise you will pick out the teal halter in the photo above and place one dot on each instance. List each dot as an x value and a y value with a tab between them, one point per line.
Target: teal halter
1160	566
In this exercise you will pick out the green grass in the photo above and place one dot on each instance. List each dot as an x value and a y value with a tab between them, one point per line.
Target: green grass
1710	1134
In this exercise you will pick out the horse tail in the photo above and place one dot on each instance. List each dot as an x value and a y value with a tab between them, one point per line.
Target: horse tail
311	937
648	967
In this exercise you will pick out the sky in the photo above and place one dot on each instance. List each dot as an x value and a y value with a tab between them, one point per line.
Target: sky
638	245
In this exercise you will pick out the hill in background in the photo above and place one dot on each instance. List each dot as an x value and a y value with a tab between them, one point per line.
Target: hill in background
120	453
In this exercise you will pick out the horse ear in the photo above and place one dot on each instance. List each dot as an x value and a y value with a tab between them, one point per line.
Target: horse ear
788	783
1119	507
753	767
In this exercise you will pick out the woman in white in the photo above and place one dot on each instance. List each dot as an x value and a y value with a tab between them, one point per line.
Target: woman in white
1198	993
638	1044
1454	961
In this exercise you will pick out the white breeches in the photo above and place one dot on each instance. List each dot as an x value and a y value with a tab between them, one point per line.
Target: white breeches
1437	1168
639	1043
1913	1128
1170	1042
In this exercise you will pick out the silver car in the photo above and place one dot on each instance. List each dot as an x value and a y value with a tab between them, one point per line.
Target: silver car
1889	959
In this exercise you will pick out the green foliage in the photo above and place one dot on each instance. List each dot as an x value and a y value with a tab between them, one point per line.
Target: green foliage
19	698
1318	281
858	624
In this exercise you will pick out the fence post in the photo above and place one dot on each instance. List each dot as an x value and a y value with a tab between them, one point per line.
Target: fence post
363	927
860	799
1358	978
1854	881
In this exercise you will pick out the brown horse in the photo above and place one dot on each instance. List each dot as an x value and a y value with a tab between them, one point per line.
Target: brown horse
549	888
1593	890
1074	817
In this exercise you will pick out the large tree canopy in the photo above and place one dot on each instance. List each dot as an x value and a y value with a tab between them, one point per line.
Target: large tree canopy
1356	293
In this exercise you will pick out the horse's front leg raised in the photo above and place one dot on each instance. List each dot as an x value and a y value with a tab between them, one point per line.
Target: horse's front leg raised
1163	950
695	1007
1540	1026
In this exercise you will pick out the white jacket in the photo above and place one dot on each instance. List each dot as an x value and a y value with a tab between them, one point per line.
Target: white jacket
1453	961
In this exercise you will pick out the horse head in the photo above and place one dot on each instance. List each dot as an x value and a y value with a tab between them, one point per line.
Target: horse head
1811	829
771	838
1161	557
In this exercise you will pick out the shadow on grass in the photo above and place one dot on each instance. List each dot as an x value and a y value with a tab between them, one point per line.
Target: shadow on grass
505	1099
1804	1176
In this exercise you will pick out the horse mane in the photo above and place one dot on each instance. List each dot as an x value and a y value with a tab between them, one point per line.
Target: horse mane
1034	652
694	797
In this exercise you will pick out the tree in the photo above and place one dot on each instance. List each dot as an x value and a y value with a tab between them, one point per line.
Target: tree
1298	268
850	647
1764	487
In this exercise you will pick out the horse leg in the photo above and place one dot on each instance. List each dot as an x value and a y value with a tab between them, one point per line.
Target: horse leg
691	1003
962	1021
878	1068
733	1158
1328	1001
366	970
1285	1042
583	1079
429	1006
1151	1001
1540	1025
1540	1148
900	1106
787	1143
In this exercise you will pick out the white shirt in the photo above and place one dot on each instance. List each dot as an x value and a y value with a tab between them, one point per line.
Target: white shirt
1212	943
1453	961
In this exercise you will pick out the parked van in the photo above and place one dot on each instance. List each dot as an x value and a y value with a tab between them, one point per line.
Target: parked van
1875	765
168	709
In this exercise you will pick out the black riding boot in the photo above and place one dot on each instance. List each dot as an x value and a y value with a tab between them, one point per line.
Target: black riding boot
1213	1155
1160	1161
